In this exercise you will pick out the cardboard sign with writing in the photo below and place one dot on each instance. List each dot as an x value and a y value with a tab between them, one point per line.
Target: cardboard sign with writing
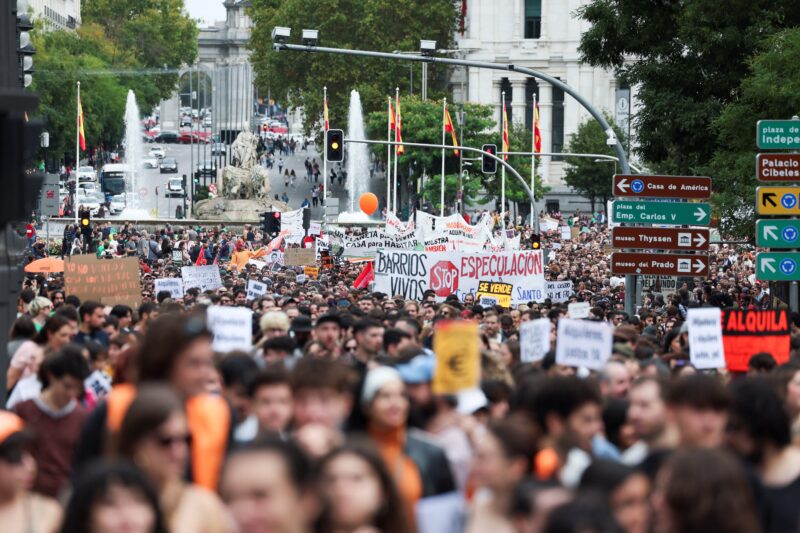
745	333
255	289
173	285
311	272
205	278
108	281
534	339
705	338
583	343
456	344
494	293
232	328
558	291
299	256
578	310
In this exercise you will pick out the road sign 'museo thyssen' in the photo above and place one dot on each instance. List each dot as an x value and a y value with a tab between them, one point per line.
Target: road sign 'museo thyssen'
643	186
669	213
686	239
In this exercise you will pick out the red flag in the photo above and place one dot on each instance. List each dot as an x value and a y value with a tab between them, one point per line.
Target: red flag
448	127
505	133
325	105
537	133
392	124
201	257
367	275
399	130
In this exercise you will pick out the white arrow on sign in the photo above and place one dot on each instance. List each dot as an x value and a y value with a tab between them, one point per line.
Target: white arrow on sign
766	263
699	240
699	266
623	185
700	214
769	231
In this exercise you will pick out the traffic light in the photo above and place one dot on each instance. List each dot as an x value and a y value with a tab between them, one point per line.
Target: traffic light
271	222
85	220
334	145
536	242
488	164
26	50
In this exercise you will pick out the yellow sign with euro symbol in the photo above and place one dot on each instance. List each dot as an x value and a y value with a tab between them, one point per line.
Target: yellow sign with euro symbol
456	344
778	200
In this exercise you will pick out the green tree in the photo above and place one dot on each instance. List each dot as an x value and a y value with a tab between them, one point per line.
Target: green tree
384	25
589	177
686	59
771	90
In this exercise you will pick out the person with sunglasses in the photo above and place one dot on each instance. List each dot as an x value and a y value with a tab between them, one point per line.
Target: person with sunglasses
155	436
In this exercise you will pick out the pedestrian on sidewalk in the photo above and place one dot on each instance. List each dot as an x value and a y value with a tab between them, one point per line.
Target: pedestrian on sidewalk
286	178
292	178
280	165
314	196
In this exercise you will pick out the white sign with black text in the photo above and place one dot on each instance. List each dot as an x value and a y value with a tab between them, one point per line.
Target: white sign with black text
255	289
583	343
705	338
232	328
173	285
534	339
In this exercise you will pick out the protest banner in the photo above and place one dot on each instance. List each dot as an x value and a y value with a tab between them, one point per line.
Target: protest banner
410	274
365	243
456	344
292	226
108	281
665	285
453	233
311	272
492	293
578	310
299	256
255	289
534	339
583	343
745	333
705	338
232	328
558	291
205	278
173	285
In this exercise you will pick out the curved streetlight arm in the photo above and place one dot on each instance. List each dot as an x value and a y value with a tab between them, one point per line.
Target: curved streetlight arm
500	160
605	157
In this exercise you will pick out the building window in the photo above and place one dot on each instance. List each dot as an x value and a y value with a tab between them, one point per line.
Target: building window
531	88
533	19
557	130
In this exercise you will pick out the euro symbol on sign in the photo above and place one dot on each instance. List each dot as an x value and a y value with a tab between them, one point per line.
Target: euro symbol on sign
456	364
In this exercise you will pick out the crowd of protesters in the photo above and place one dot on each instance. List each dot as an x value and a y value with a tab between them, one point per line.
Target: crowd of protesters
122	419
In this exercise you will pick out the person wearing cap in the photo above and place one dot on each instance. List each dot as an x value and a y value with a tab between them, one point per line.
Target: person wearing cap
20	509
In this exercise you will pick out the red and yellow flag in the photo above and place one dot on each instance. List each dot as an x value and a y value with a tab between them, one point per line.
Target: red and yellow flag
392	123
81	134
537	133
325	112
505	133
399	130
448	127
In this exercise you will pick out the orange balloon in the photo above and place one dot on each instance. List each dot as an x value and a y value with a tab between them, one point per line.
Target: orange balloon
368	203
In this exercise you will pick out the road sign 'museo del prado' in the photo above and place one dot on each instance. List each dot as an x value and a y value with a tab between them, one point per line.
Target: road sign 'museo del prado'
674	213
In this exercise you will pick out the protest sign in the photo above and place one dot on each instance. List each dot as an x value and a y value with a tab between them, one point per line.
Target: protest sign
410	274
456	344
574	232
665	285
534	339
177	257
578	310
705	338
583	343
566	233
299	256
311	272
494	293
173	285
292	226
745	333
301	278
205	278
558	291
232	328
108	281
255	289
314	228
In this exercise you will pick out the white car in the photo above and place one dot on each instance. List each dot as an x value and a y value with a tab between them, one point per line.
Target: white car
150	162
87	187
117	204
86	174
157	151
90	201
175	188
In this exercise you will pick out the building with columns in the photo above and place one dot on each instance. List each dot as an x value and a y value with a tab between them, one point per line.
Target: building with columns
56	14
543	35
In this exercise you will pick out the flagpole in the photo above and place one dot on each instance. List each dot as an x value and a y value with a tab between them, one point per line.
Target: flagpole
503	171
324	153
77	149
441	192
396	126
533	152
388	155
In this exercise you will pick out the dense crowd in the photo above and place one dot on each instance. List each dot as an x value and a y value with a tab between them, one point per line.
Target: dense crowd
124	419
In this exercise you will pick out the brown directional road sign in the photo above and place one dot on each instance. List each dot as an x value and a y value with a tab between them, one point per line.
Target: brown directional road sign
778	167
644	186
659	264
687	240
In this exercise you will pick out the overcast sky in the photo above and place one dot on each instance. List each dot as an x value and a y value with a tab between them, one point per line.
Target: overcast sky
208	10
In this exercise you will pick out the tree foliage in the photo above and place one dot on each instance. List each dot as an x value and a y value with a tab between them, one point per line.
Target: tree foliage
589	177
384	25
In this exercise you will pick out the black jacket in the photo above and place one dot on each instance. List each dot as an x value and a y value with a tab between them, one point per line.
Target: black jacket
432	463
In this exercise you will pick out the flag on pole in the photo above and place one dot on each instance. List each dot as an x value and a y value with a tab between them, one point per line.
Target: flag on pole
448	127
505	132
399	130
325	111
537	133
392	124
81	134
366	276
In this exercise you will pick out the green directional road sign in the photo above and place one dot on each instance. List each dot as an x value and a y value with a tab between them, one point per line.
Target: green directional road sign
778	134
778	266
676	213
777	233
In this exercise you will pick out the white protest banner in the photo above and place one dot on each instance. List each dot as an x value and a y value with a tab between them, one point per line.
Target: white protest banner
566	233
205	278
583	343
410	274
232	328
366	243
439	234
255	289
705	338
558	291
665	285
292	226
314	228
548	224
534	339
395	227
301	278
578	310
173	285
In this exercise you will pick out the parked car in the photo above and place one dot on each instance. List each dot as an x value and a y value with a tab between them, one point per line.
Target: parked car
157	151
175	188
218	149
168	164
167	137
